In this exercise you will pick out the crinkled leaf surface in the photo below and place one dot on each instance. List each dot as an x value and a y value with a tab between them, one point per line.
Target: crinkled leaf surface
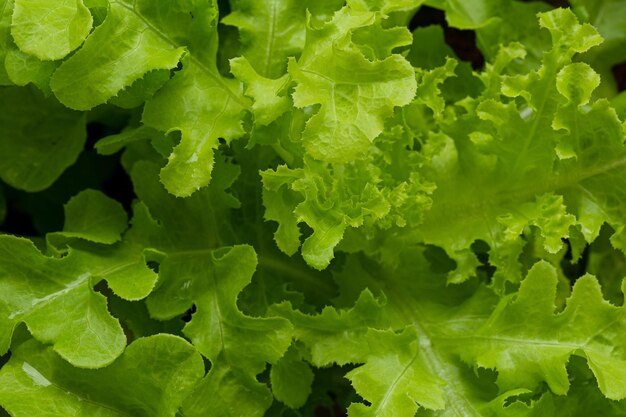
352	105
543	342
559	174
449	215
192	92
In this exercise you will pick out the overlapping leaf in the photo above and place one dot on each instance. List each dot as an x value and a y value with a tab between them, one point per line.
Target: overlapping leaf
197	101
55	296
151	378
370	141
270	32
527	342
352	105
394	377
489	168
196	269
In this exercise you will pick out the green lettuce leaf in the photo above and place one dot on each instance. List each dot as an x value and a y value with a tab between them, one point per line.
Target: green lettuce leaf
205	273
152	378
492	165
270	32
36	33
92	216
41	138
157	36
527	342
352	106
36	289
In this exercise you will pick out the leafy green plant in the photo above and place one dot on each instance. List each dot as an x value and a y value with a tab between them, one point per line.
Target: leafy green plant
329	210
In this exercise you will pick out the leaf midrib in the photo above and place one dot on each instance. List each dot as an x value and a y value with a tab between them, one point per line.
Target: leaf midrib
454	398
215	77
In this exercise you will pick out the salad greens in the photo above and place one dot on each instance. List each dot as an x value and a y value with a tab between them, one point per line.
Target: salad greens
326	209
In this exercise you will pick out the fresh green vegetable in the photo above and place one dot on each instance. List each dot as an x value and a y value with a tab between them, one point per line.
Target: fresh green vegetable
329	209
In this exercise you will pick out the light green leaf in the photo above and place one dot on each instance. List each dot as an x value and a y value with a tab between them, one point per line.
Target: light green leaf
157	225
151	379
379	42
211	108
23	69
548	213
93	216
55	298
50	29
468	14
270	99
101	69
395	383
609	18
527	342
270	32
16	66
512	147
41	138
394	377
352	105
198	269
197	101
86	335
219	328
280	205
329	202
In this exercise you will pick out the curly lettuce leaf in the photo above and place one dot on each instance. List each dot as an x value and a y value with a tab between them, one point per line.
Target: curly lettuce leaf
497	161
197	101
352	106
527	342
329	202
608	17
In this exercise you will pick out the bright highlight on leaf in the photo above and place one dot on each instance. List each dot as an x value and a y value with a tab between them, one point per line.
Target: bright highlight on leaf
307	208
